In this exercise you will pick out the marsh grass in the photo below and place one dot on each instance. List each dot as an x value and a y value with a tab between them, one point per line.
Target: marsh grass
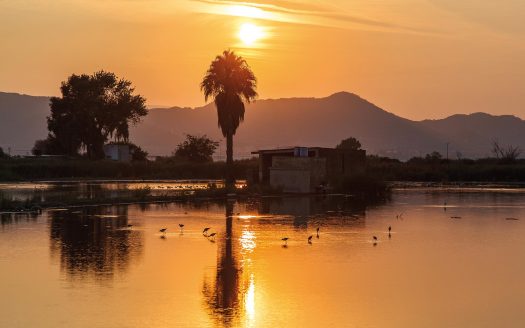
464	170
24	169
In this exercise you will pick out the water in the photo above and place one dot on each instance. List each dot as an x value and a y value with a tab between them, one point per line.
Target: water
86	268
99	189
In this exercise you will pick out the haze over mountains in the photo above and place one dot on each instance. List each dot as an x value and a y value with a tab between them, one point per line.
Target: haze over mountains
288	122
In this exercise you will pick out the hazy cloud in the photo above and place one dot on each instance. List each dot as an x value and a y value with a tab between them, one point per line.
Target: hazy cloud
300	13
505	16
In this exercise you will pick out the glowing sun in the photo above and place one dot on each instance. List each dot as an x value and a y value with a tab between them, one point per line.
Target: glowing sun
249	33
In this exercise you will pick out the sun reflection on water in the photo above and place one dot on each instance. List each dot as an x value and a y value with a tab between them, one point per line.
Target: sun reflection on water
247	240
249	303
246	216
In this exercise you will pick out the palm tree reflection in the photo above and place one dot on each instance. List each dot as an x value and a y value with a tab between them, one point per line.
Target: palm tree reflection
224	295
229	296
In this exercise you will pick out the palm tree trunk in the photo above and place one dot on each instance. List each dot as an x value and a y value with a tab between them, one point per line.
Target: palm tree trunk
230	179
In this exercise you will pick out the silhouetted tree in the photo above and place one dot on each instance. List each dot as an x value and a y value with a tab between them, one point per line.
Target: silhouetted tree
92	109
138	154
349	143
42	147
2	154
433	157
506	155
39	147
230	81
196	149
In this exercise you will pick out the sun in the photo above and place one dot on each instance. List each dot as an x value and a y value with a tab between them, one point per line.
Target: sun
249	33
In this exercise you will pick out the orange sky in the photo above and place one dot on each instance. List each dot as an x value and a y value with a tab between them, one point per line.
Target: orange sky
416	58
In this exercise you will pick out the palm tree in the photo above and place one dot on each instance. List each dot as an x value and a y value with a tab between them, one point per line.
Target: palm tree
231	82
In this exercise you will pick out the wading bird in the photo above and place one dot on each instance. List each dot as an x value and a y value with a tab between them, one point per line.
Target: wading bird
310	239
212	235
205	231
317	232
285	239
374	238
181	226
389	229
163	230
130	226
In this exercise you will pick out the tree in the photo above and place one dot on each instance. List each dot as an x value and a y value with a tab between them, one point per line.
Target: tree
196	149
506	155
40	147
2	154
433	157
48	146
138	154
231	82
349	144
92	109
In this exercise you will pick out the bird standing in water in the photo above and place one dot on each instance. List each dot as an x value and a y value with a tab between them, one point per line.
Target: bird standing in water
181	227
212	235
205	231
310	239
285	239
130	226
317	232
163	230
374	238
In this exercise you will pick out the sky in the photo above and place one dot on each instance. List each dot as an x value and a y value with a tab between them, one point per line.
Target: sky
416	58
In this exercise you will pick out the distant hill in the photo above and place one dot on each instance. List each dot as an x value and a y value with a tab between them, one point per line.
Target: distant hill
22	121
472	135
290	122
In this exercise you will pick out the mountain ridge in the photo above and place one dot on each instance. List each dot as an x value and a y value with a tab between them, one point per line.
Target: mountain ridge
270	123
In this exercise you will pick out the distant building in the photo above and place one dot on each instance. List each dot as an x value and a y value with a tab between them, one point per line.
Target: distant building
117	152
306	169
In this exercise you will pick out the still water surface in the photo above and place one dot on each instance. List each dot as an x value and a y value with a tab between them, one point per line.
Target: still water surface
85	267
55	191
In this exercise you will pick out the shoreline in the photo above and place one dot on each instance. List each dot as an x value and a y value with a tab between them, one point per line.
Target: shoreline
396	184
458	186
38	208
26	207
